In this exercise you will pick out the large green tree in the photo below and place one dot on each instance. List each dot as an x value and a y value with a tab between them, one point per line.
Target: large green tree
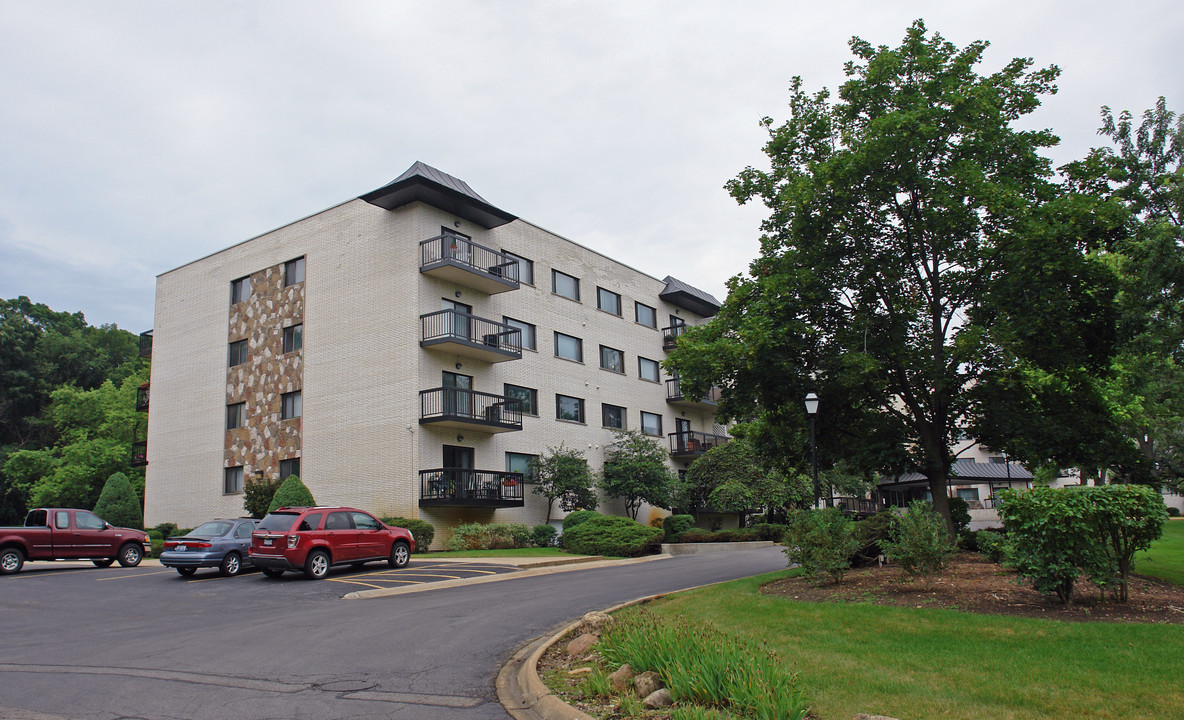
562	476
892	211
734	477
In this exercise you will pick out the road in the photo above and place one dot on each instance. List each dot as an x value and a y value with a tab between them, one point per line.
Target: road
145	643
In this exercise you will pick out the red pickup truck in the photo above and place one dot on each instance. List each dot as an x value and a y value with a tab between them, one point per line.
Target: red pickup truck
63	534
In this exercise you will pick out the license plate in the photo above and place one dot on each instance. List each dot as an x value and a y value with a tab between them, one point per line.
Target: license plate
268	541
181	548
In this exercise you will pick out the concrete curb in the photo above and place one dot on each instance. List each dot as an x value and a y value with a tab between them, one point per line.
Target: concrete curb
713	547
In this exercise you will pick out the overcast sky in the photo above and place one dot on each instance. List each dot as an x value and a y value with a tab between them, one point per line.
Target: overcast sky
138	136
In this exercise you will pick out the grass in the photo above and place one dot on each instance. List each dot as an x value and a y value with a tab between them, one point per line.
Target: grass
1165	558
511	552
915	663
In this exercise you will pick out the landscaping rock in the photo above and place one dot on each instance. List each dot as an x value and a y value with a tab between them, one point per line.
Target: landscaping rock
622	678
862	716
658	699
597	620
646	683
582	644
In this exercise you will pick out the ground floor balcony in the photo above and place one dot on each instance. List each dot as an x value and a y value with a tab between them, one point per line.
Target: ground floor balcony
460	333
464	409
675	396
463	487
688	445
456	259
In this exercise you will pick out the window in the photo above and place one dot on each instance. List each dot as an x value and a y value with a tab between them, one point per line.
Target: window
362	521
569	408
565	285
289	467
997	460
294	272
233	481
968	494
612	416
608	301
238	352
61	520
525	267
293	338
521	463
647	369
240	289
611	359
528	341
528	399
651	423
571	348
243	532
236	416
645	315
290	405
84	520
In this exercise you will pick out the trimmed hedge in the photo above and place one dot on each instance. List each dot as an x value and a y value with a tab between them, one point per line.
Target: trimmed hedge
675	525
422	530
495	536
576	517
611	535
291	493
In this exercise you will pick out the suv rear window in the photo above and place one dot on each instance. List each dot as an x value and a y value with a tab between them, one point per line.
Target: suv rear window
279	522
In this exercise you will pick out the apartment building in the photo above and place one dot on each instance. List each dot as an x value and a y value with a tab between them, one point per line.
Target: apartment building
408	352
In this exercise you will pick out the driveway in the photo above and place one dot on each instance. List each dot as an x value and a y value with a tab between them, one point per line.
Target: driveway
145	643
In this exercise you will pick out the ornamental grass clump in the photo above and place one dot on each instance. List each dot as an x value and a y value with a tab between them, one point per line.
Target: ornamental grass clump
703	666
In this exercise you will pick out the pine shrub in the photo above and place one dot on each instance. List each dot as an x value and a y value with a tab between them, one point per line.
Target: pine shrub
291	493
118	503
611	535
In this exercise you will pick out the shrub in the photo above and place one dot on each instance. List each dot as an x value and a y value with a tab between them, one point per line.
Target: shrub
767	531
992	545
919	542
291	493
968	540
118	503
576	517
165	530
422	530
468	536
1174	512
870	534
820	541
611	535
495	536
959	514
543	535
258	494
675	525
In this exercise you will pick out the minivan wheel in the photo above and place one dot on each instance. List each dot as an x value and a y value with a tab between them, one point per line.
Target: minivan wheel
130	555
232	565
400	555
316	566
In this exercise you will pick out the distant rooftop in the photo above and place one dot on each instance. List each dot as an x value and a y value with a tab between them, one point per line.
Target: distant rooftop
969	471
424	183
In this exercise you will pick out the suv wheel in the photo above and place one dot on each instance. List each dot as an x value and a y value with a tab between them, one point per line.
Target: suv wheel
316	566
400	555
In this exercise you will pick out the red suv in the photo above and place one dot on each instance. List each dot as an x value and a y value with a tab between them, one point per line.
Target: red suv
313	539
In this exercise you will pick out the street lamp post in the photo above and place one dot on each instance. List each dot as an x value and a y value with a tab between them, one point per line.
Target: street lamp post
812	411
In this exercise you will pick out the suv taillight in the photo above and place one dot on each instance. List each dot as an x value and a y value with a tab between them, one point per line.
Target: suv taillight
292	540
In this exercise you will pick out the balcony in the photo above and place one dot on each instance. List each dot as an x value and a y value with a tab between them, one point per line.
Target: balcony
461	261
689	444
457	332
462	487
146	343
139	453
142	398
670	336
463	409
674	396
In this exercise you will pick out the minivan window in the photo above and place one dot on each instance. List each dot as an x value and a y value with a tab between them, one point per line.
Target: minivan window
281	522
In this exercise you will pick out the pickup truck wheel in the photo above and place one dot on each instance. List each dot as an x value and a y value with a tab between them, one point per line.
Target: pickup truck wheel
400	555
105	562
231	565
11	561
130	555
316	566
272	572
186	571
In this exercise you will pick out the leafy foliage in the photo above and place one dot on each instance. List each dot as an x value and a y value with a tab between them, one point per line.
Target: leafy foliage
258	494
563	476
821	542
920	543
543	535
675	525
118	503
576	517
422	530
611	535
734	477
492	536
291	493
635	471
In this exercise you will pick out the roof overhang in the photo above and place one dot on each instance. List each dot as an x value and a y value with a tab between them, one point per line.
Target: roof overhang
689	298
423	183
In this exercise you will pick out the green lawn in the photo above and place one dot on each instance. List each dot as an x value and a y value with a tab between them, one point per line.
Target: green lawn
1165	559
513	552
916	663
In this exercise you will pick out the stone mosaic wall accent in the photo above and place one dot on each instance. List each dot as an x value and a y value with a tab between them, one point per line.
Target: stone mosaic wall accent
267	374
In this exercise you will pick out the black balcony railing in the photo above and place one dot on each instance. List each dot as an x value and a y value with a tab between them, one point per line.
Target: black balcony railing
670	336
693	444
461	408
471	334
142	398
674	395
139	453
858	506
462	487
490	267
146	343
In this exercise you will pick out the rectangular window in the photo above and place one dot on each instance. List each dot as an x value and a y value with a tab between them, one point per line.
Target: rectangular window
528	399
568	347
525	267
290	405
240	289
238	352
232	481
647	369
569	408
645	315
611	359
651	424
608	301
968	494
565	285
528	341
521	463
289	467
294	272
997	460
612	416
236	416
293	338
